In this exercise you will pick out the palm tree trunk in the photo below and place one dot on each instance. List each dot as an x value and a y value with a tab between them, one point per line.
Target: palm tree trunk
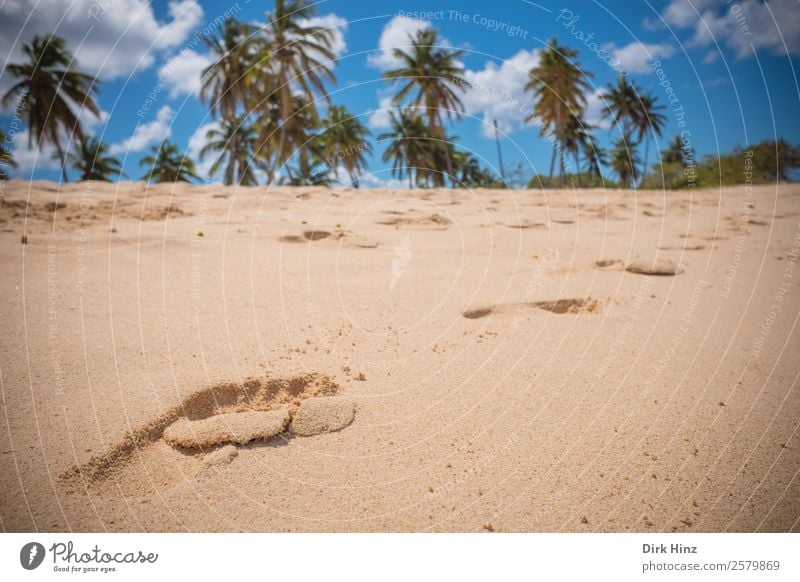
552	165
63	159
578	168
282	134
646	155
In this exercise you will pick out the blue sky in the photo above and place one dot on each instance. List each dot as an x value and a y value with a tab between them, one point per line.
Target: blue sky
731	66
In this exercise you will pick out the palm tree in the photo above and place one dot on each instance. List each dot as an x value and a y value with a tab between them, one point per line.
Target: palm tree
624	160
436	75
237	142
93	161
6	157
300	59
49	94
226	80
596	157
410	150
559	88
649	120
675	154
344	142
167	164
622	105
471	174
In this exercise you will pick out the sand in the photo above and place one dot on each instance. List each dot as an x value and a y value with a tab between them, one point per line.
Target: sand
506	369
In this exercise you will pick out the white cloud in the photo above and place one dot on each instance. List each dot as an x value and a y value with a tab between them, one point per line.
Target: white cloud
594	110
379	118
337	27
32	159
741	26
113	42
196	143
148	133
637	56
182	73
498	92
37	158
370	180
395	35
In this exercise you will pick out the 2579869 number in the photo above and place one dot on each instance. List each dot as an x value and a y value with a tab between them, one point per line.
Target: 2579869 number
755	565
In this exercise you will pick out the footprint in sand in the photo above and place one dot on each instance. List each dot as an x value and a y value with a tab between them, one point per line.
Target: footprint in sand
349	238
658	267
559	306
526	224
430	221
204	429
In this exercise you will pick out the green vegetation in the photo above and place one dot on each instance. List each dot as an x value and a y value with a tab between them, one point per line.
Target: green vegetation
268	90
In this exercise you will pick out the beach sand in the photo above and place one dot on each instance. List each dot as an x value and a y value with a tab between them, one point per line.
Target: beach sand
511	364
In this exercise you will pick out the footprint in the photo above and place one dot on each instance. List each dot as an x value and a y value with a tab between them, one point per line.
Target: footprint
434	221
233	428
143	462
321	415
683	248
659	267
316	234
559	306
351	239
610	264
525	224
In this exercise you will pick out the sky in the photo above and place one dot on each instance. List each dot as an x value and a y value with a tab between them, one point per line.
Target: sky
727	72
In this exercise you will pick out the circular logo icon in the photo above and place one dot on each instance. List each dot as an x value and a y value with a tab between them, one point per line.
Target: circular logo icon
31	555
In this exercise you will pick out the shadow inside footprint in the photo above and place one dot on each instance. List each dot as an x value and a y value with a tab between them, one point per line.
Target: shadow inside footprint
316	234
478	313
559	306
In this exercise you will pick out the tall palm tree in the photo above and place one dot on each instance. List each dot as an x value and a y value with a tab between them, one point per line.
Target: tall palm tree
226	80
344	142
6	157
167	164
280	139
625	161
236	142
93	161
409	150
622	105
649	121
559	86
596	157
50	92
437	77
300	61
